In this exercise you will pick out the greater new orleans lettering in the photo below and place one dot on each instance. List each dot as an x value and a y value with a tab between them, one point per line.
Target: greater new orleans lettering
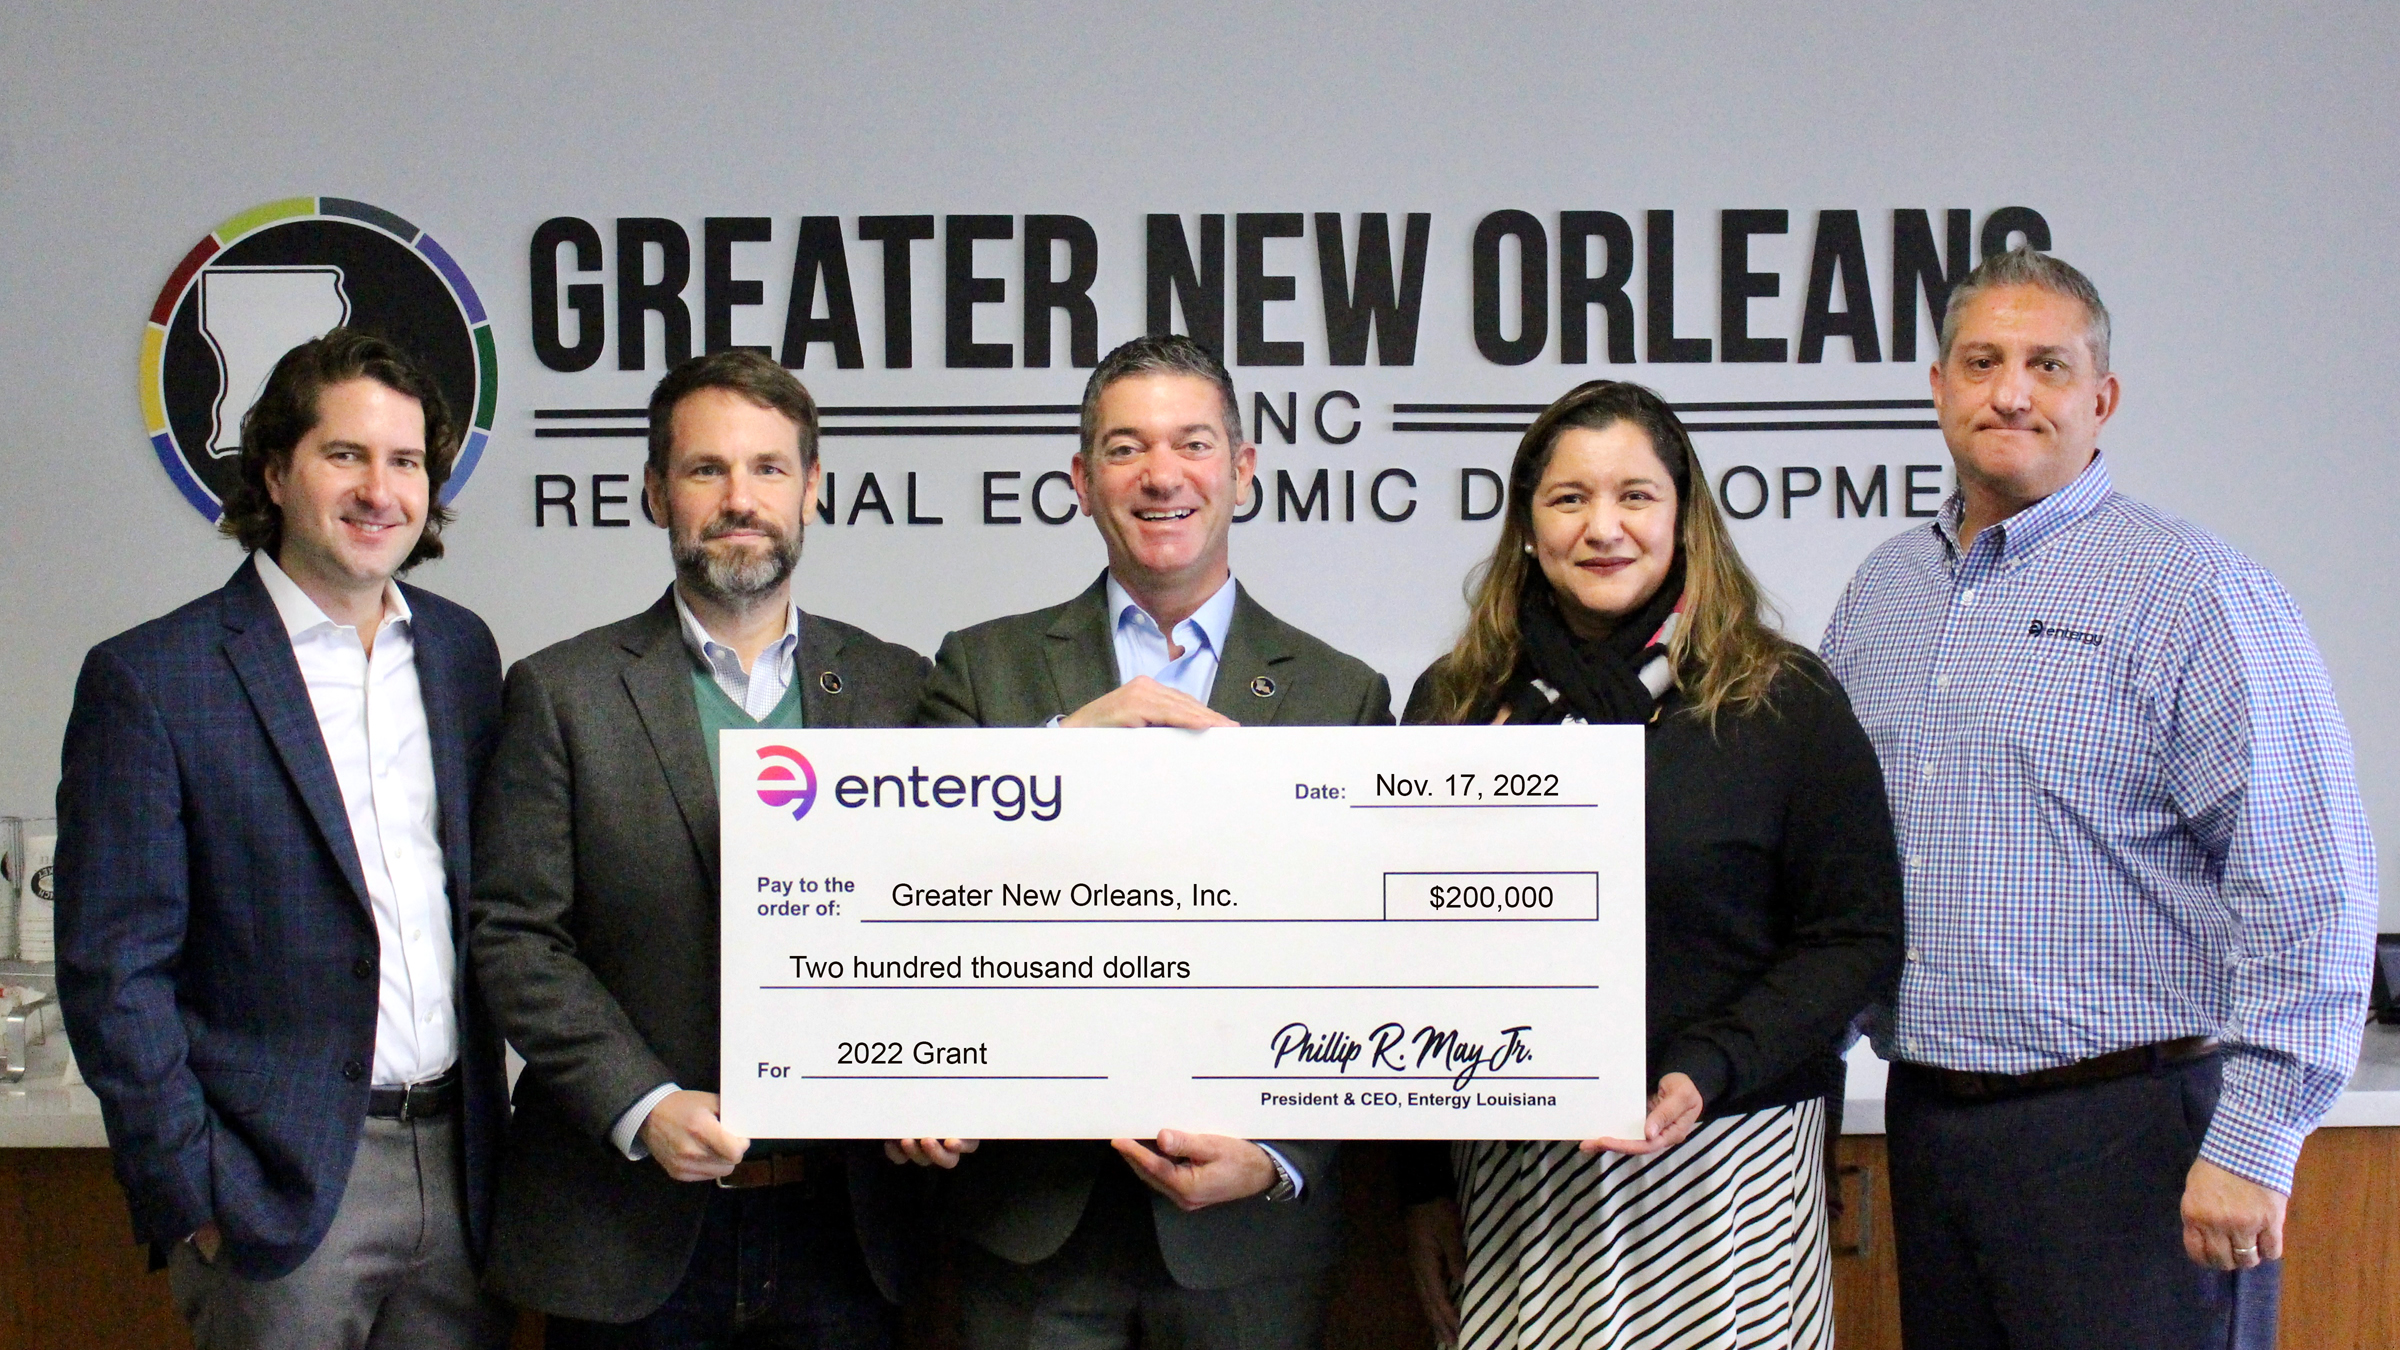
1566	278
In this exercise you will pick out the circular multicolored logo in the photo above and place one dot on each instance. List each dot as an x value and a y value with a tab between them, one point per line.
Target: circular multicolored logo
778	786
275	276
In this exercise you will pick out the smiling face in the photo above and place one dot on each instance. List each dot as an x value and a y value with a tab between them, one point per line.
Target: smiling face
2020	396
355	492
735	497
1604	524
1162	481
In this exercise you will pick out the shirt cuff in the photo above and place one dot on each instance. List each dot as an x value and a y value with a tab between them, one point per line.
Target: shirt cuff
1284	1166
626	1134
1055	719
2253	1148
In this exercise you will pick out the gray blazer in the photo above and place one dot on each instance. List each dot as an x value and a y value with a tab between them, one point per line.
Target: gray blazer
595	933
1021	1199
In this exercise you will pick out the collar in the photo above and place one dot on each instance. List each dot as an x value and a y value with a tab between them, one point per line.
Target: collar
2026	531
1214	617
704	648
303	615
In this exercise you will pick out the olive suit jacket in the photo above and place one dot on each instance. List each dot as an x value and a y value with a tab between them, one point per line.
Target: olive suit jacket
1021	1199
596	931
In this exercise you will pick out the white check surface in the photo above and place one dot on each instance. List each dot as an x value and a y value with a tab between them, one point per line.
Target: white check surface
1282	933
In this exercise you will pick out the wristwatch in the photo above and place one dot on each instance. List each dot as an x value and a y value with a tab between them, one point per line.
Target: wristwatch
1285	1188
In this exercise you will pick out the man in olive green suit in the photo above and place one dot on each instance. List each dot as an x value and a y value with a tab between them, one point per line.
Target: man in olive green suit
1199	1240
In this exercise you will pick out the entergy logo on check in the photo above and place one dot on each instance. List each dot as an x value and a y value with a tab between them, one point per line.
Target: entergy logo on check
779	787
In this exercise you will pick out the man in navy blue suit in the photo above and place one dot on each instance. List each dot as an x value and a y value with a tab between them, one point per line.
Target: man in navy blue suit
262	877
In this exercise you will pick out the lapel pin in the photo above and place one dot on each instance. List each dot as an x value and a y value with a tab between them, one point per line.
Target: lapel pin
1263	687
830	682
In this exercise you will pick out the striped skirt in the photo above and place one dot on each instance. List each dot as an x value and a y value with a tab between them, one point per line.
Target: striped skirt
1719	1241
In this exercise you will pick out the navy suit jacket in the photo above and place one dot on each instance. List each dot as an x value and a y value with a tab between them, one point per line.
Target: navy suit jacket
217	962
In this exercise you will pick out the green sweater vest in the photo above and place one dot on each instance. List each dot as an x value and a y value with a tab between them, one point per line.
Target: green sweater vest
718	713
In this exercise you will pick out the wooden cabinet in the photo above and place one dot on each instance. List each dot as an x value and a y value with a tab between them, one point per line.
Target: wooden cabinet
70	1275
69	1272
2341	1264
1866	1275
2341	1274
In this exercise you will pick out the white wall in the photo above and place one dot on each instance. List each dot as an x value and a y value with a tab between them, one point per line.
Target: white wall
2227	179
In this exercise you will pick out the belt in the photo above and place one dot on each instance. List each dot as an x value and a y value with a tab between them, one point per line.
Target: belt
417	1101
781	1170
1975	1086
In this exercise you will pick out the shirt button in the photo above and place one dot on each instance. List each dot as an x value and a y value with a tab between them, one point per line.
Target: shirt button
1967	596
1941	681
1912	953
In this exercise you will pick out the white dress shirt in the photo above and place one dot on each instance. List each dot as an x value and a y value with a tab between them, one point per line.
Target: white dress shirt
371	711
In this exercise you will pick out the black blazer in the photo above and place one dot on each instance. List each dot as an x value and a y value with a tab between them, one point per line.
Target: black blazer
596	924
1773	886
218	964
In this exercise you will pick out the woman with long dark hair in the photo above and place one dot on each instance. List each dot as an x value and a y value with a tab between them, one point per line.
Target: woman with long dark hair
1614	594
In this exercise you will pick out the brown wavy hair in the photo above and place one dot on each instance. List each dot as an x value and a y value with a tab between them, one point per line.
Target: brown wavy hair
287	411
1724	654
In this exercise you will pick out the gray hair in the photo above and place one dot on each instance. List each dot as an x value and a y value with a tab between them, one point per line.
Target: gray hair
1159	354
2025	266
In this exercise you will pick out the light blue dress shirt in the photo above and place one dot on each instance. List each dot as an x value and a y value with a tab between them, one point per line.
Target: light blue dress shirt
1142	647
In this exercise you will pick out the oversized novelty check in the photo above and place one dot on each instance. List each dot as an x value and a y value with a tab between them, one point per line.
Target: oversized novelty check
1302	933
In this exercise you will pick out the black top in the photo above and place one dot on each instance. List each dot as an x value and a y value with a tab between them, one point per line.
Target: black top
1774	890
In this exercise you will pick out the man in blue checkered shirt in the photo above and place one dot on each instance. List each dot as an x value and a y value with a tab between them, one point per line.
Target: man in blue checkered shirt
2141	888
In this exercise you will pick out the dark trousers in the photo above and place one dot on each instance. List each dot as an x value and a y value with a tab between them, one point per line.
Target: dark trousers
1109	1284
2053	1220
776	1268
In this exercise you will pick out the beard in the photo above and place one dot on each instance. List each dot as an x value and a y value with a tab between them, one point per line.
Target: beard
740	577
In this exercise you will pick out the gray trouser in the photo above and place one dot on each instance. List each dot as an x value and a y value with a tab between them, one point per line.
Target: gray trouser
392	1271
1109	1278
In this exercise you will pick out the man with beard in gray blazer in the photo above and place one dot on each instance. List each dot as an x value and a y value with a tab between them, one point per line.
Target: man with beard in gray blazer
627	1210
1197	1240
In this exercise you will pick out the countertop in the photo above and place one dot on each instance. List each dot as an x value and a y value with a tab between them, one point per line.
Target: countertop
44	1111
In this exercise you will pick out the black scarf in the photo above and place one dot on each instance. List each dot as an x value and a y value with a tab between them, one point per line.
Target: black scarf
1560	676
